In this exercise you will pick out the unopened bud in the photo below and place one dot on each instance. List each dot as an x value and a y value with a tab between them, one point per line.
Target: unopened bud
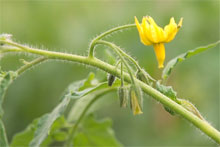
123	96
111	79
141	76
134	104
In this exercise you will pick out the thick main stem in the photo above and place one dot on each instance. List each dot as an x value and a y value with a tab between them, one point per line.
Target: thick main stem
94	62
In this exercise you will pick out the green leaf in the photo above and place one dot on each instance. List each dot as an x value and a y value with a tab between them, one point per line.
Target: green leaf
75	90
81	88
172	63
84	102
169	92
81	107
24	138
3	137
42	132
90	81
6	78
81	104
78	94
46	122
95	133
59	132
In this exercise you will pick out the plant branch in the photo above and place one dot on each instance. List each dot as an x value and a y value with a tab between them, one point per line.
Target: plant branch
30	64
10	49
94	62
117	50
92	45
126	55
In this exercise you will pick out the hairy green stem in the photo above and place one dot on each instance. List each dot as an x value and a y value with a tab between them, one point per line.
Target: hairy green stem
95	41
127	56
94	62
92	45
117	50
30	64
133	82
122	77
10	49
98	94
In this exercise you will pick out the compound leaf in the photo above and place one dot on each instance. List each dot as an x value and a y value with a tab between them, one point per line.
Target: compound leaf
39	132
95	133
169	92
173	62
24	138
46	122
74	90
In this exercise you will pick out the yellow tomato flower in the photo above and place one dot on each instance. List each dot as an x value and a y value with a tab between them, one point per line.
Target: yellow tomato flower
151	34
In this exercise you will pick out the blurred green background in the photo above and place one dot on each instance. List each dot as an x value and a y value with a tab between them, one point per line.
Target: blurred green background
68	26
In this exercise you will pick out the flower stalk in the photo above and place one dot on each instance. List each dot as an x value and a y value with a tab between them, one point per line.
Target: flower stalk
93	42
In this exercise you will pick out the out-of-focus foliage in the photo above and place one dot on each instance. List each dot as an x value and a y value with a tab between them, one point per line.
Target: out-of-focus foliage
6	79
53	128
96	133
70	25
24	138
3	136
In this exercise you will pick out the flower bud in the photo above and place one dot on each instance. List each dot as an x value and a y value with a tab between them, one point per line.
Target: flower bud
141	76
111	79
134	104
123	96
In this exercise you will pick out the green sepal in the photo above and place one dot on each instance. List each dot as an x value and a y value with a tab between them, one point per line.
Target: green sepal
142	76
123	96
